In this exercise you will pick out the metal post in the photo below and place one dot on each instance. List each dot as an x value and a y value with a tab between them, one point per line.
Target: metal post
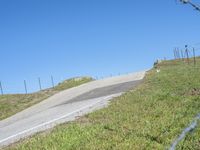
178	53
52	81
194	56
187	54
1	88
182	55
174	54
39	84
25	87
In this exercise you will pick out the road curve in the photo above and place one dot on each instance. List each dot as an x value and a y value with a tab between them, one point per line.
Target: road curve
65	106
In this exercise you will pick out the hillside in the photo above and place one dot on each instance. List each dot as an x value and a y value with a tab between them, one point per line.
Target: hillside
13	103
151	116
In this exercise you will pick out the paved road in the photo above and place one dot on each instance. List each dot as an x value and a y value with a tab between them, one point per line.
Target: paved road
65	106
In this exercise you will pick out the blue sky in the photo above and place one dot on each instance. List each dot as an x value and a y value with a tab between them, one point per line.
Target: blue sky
67	38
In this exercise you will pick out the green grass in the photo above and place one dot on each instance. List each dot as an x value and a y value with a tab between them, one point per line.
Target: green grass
148	117
192	140
11	104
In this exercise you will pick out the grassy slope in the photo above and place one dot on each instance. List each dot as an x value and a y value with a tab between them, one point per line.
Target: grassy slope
148	117
11	104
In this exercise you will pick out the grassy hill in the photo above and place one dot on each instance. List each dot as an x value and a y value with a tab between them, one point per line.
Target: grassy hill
13	103
151	116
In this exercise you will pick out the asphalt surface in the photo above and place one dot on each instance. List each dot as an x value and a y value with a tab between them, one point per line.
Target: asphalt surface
65	106
105	91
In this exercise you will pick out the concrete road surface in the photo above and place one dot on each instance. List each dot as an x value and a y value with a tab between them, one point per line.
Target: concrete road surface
65	106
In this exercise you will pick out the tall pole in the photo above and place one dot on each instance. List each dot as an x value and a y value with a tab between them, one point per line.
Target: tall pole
25	87
52	81
1	88
39	84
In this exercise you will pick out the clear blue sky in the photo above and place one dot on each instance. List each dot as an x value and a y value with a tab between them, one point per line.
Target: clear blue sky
67	38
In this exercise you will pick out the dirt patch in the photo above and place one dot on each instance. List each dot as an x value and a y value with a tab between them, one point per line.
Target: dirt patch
193	92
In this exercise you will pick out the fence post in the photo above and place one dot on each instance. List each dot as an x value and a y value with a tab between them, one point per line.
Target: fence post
25	87
52	82
178	54
194	56
187	54
39	84
174	54
182	55
1	88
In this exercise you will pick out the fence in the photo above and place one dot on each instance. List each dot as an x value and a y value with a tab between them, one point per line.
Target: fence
40	85
2	88
185	55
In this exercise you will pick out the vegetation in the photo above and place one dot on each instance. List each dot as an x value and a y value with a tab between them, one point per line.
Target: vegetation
192	140
11	104
151	116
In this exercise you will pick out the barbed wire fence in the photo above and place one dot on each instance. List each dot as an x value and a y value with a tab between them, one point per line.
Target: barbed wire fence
26	91
186	54
40	84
